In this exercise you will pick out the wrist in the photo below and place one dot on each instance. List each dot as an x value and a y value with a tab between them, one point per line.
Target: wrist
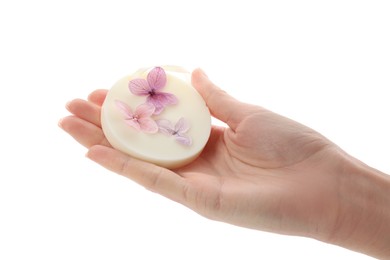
363	218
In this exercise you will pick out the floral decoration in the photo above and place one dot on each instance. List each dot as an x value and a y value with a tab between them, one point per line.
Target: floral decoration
140	119
156	101
178	131
156	80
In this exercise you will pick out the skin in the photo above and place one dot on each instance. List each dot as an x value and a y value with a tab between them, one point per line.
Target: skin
263	171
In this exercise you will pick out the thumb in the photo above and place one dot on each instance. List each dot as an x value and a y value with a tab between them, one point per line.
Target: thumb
221	105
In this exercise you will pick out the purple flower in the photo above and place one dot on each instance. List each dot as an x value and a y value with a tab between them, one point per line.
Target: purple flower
141	118
151	87
178	131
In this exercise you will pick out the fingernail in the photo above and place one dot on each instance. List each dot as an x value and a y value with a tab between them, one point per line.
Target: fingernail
60	123
203	73
68	105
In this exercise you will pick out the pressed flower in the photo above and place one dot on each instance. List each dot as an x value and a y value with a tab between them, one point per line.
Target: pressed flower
140	119
151	86
178	130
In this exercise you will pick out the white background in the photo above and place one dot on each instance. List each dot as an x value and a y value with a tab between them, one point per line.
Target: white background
323	63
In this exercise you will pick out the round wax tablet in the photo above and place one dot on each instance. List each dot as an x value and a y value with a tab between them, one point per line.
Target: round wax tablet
156	115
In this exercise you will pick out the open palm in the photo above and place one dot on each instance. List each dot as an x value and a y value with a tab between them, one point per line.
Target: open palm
262	171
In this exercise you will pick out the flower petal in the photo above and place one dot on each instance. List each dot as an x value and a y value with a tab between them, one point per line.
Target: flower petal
184	140
133	123
124	108
165	126
144	110
182	126
160	100
139	87
157	78
158	110
148	125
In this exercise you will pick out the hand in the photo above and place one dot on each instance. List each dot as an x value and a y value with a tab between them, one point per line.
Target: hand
254	173
263	171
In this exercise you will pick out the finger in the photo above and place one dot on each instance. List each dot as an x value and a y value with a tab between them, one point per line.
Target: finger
85	110
97	97
221	105
83	132
152	177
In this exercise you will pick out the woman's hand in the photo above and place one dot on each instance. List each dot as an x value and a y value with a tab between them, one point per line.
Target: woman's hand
262	171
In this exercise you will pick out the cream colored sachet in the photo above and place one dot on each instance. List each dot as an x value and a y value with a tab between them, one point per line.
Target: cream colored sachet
156	115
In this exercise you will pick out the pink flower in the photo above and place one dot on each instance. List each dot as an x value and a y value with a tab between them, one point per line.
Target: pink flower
151	87
141	118
178	131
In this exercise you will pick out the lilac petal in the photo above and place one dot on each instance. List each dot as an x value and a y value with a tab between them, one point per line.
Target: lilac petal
157	78
124	108
144	110
148	125
160	100
182	126
165	126
139	87
158	110
133	123
182	139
